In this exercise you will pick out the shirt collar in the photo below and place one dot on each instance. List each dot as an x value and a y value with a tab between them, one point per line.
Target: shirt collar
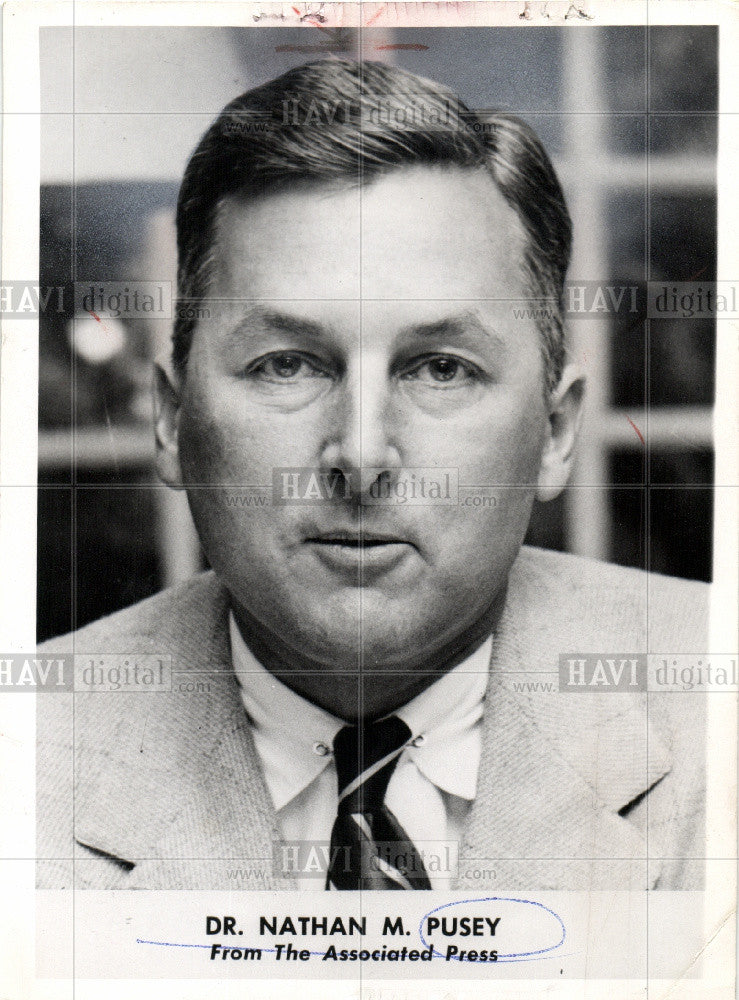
294	737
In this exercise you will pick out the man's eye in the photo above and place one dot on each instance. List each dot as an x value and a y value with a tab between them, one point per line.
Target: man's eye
441	370
285	367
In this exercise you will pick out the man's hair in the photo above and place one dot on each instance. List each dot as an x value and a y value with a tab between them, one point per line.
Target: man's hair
341	122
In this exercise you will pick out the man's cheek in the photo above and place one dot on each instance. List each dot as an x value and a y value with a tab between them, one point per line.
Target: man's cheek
214	450
199	446
492	522
506	446
233	540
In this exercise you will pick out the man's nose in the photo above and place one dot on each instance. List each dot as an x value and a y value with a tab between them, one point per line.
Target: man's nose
362	442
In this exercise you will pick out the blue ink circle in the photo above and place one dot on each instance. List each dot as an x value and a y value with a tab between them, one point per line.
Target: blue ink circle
522	956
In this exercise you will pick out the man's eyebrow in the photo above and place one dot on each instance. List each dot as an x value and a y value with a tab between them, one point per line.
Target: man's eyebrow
278	322
454	328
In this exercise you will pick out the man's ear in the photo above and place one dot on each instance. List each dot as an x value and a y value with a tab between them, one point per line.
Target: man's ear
565	417
166	425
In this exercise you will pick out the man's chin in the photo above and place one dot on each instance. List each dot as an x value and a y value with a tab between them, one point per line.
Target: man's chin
348	630
360	645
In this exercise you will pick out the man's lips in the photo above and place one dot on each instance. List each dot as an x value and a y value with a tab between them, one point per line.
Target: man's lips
368	552
357	539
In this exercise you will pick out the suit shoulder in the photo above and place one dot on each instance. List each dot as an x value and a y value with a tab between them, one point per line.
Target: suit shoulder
576	571
165	619
178	623
589	593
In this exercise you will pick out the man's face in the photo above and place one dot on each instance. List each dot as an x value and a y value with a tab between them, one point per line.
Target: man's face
366	329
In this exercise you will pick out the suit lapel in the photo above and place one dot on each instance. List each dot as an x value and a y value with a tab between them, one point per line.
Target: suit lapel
171	781
556	768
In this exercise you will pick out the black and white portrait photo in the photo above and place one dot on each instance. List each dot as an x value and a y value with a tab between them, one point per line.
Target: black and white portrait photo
384	519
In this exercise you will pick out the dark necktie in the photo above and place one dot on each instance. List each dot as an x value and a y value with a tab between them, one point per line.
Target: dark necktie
369	847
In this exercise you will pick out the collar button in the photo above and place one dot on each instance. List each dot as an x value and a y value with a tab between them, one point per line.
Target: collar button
418	741
320	749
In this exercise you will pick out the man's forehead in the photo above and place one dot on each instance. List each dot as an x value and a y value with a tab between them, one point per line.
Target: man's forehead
421	232
306	321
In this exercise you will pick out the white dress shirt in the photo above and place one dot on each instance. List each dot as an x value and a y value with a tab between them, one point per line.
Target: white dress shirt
434	782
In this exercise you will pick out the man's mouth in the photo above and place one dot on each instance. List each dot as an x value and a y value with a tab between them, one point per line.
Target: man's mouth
366	552
356	539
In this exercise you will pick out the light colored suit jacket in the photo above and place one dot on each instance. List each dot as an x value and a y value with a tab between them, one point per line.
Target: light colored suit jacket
575	791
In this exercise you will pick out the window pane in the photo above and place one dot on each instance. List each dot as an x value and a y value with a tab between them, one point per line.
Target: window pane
112	544
683	68
680	519
682	356
695	134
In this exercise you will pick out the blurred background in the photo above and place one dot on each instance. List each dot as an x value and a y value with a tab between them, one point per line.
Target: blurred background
629	117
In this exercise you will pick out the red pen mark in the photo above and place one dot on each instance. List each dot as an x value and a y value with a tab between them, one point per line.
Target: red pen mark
297	11
402	46
97	318
375	16
698	273
638	432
